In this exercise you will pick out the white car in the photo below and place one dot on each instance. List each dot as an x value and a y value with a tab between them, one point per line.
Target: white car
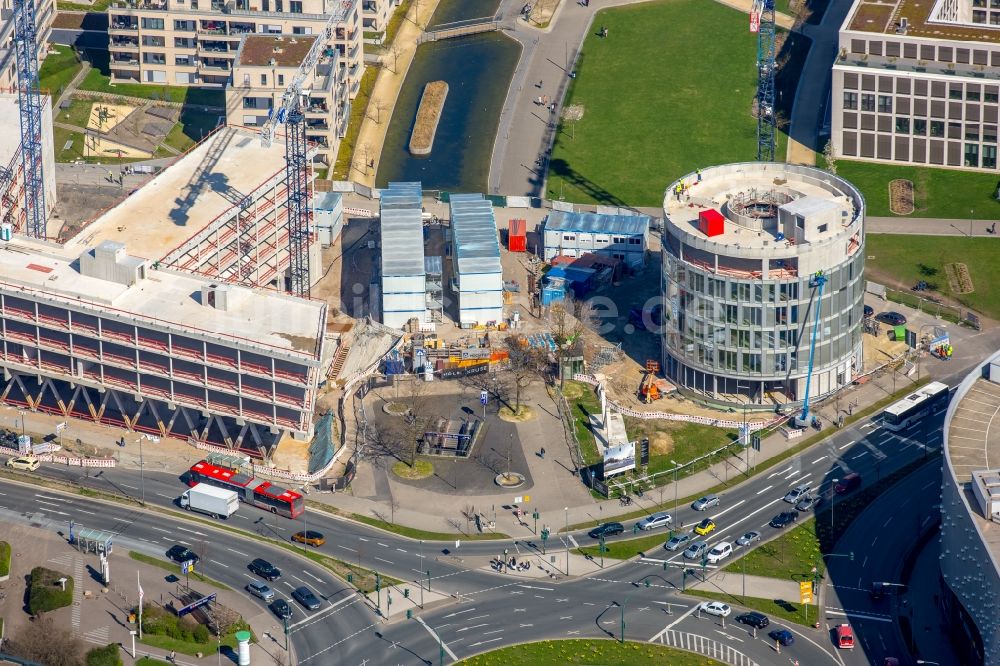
797	493
720	552
716	608
27	463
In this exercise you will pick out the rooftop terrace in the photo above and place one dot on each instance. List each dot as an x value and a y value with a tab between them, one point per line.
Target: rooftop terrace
884	16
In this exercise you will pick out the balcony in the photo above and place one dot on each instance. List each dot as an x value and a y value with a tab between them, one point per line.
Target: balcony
116	27
124	46
214	66
125	64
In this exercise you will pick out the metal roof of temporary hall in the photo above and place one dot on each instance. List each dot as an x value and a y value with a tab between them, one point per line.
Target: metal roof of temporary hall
476	241
402	195
595	223
402	243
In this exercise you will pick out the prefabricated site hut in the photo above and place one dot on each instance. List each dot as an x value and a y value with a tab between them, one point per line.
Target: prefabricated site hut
478	276
402	254
624	237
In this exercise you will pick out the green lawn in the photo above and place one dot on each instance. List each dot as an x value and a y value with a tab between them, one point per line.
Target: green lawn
174	568
661	98
790	556
940	193
651	545
192	128
58	69
60	136
690	442
775	609
910	259
604	652
146	661
4	559
583	402
99	79
403	530
78	112
187	647
359	108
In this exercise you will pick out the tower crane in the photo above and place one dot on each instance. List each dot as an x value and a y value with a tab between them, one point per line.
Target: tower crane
290	113
762	23
29	101
818	281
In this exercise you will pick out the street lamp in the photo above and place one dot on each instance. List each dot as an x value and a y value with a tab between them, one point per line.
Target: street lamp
833	498
676	467
622	607
566	513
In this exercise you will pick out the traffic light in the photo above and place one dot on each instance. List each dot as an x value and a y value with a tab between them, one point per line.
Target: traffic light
406	593
647	582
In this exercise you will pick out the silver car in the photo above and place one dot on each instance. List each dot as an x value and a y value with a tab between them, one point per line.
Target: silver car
808	503
706	502
677	541
261	590
654	520
695	550
797	493
748	538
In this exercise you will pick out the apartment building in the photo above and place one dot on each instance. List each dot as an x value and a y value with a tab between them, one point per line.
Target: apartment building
195	42
918	83
375	14
263	68
45	13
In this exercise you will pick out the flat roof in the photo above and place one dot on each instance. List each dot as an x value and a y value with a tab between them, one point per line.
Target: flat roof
474	231
974	430
597	223
256	317
883	17
284	50
401	195
187	196
402	243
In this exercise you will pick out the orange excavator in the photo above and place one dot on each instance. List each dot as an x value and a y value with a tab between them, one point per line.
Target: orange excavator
649	389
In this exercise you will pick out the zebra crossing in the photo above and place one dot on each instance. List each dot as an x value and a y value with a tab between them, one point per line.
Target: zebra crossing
99	636
64	560
77	593
702	645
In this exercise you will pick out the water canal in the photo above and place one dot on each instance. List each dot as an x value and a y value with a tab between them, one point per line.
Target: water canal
478	70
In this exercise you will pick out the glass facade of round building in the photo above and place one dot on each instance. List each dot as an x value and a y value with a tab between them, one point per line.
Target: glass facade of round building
743	248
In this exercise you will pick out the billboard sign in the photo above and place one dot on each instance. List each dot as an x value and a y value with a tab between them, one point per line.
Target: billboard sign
618	459
195	604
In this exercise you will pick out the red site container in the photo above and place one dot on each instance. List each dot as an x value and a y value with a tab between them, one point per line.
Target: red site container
517	236
711	223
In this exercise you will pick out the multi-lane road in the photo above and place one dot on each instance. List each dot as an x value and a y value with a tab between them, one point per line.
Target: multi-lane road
486	609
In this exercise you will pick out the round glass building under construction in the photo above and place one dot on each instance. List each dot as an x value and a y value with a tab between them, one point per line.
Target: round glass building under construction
762	264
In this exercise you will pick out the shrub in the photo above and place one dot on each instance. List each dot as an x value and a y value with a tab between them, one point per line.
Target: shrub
46	594
201	634
4	558
104	656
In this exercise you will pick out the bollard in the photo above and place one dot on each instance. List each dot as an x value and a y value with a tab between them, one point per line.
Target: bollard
243	648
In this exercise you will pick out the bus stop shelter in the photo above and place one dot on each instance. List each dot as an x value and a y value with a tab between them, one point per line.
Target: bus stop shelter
89	540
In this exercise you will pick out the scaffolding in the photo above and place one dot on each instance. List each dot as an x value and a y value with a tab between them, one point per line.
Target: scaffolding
434	288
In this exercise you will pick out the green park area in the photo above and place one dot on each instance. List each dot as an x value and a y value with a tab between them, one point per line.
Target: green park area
98	79
902	261
938	193
58	69
604	652
660	96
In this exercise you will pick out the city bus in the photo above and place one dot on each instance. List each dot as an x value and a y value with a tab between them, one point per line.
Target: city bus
260	493
925	401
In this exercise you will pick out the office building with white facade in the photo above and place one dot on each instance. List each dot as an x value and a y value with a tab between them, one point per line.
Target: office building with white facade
478	277
741	255
569	234
918	83
403	280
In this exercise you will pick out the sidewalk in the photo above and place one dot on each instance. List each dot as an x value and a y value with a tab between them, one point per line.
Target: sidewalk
761	587
929	226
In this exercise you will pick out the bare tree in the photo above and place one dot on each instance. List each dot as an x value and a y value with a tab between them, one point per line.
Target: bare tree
525	365
418	404
44	642
394	52
379	106
469	513
393	505
831	160
366	154
569	320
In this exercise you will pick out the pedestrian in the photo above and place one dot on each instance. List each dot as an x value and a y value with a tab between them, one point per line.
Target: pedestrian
603	32
173	656
542	453
111	177
698	172
540	84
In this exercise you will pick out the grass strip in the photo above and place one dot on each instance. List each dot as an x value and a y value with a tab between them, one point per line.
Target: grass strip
588	651
764	464
773	608
175	568
403	530
359	109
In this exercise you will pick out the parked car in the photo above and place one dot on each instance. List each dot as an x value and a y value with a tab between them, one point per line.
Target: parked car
845	637
706	502
808	503
891	318
754	619
654	520
676	541
797	493
261	590
26	463
784	518
305	596
850	482
782	636
705	527
720	552
264	569
281	608
310	537
716	608
695	550
179	553
606	530
748	538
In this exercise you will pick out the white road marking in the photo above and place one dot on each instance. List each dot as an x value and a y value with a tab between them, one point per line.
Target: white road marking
444	646
318	580
716	516
573	541
532	587
860	455
401	550
467	610
498	638
862	616
159	529
183	529
851	443
764	490
132	487
384	545
675	622
89	513
169	497
383	560
237	552
325	611
474	626
784	471
819	459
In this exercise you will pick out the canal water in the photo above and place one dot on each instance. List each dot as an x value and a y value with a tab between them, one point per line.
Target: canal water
478	70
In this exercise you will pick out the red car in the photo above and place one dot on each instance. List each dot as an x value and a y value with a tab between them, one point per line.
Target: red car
850	482
845	637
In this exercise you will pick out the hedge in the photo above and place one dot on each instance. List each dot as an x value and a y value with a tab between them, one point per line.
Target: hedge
46	594
104	656
4	558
